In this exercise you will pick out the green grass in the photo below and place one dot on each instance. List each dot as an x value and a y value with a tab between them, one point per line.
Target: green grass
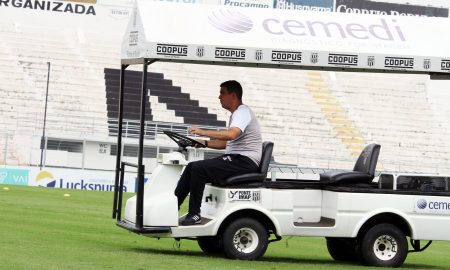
42	229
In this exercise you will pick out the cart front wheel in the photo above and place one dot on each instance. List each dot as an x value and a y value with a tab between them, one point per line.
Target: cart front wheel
245	239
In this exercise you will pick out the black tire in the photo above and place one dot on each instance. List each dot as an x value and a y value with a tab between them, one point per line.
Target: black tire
245	239
384	245
210	244
342	249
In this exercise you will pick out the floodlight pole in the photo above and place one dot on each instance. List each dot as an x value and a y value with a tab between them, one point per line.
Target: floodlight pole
45	118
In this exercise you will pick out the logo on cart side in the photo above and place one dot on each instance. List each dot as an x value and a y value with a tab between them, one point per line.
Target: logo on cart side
421	203
200	51
399	62
426	63
287	56
371	61
229	53
244	195
258	55
314	58
343	59
171	49
445	64
434	206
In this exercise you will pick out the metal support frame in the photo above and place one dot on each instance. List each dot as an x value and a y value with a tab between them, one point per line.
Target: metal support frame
416	245
119	139
120	166
140	189
120	193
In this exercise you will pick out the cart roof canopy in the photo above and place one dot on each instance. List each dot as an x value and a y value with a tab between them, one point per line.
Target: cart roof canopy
212	34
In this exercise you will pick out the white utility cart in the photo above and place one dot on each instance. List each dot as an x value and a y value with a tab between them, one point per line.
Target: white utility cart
362	219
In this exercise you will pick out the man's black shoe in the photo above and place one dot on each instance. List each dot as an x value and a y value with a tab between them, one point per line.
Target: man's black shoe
191	220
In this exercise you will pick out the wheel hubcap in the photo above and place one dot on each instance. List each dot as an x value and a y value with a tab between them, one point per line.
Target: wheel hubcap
385	247
245	240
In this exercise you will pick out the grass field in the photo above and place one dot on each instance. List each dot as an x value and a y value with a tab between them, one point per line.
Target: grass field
40	228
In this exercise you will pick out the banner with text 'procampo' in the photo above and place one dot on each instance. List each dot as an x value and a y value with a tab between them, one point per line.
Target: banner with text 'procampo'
264	36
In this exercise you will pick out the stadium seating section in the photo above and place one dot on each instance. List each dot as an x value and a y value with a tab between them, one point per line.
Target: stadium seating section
317	120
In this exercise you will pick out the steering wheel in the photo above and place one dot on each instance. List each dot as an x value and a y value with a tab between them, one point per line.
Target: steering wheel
182	141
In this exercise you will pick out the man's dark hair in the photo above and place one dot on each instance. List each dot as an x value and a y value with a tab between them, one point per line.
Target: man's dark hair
233	87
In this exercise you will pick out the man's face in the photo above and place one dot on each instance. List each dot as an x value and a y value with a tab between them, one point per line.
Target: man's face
225	98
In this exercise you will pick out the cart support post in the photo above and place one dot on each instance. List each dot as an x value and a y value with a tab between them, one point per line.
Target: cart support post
119	139
140	189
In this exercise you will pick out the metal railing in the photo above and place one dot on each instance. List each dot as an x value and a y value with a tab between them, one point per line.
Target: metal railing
9	152
151	128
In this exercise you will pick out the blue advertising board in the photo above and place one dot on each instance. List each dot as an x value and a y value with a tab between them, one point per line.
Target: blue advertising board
14	176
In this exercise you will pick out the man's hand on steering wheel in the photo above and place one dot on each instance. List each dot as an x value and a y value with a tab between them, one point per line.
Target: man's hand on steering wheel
200	144
195	131
184	141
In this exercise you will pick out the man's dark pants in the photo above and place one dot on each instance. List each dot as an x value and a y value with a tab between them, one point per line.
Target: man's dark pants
215	170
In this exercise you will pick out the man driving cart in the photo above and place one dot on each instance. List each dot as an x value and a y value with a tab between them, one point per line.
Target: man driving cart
241	141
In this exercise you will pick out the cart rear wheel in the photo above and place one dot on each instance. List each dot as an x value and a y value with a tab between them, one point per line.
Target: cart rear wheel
384	245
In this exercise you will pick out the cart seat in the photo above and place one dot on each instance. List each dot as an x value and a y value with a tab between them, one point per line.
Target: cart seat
259	176
363	172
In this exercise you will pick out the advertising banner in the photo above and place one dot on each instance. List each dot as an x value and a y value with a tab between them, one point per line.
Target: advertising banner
307	5
66	178
14	176
287	37
93	14
248	3
78	179
382	8
68	7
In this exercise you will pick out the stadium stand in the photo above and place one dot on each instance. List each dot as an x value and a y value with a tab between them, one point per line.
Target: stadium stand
397	114
281	101
28	48
175	100
439	98
318	120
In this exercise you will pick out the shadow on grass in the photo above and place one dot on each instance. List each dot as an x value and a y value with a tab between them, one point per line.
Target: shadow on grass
271	259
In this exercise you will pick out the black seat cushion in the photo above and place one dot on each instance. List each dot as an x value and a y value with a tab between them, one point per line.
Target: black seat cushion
259	176
246	178
363	172
347	177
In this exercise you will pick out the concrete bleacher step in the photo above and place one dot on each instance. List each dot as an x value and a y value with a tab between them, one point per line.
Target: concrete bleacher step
396	112
335	113
297	109
163	89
